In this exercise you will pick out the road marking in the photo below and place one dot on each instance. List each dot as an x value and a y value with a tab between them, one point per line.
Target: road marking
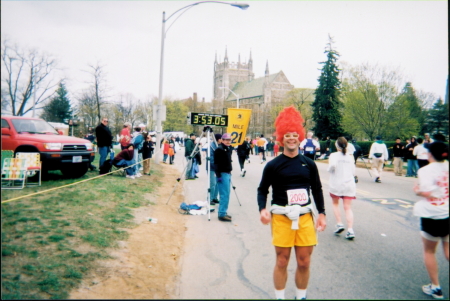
383	201
363	192
400	201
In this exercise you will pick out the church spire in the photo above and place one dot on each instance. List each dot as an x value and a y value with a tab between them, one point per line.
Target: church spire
239	61
215	60
267	68
226	55
250	62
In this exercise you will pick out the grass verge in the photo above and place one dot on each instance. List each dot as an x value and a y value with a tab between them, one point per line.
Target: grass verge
52	240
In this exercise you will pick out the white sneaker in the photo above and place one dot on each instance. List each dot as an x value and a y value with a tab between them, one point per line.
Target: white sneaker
243	172
350	235
130	177
339	228
138	175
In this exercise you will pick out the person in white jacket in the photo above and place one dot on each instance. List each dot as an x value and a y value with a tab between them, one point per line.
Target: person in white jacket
341	167
378	154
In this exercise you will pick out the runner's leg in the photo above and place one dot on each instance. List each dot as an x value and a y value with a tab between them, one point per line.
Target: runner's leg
429	256
336	211
348	212
303	256
280	271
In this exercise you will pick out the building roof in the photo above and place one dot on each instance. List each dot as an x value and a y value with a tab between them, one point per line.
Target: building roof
250	89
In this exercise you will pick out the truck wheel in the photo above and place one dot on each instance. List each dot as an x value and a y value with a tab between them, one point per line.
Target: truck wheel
74	170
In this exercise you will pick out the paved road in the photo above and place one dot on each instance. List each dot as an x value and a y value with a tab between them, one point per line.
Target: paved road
235	260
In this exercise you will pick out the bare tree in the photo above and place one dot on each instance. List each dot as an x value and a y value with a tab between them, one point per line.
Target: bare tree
26	76
301	99
98	86
87	108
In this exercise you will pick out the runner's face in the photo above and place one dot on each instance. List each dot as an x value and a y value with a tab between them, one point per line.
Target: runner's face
290	142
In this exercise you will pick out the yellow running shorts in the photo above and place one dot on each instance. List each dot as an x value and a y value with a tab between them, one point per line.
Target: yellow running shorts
284	236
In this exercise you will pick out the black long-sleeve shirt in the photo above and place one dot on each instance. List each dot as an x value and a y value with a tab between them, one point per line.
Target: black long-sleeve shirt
104	136
147	149
398	149
222	159
284	173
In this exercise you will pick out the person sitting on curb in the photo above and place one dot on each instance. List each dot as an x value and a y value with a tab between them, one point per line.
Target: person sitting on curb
126	158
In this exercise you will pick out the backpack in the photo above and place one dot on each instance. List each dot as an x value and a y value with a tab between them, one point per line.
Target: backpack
310	148
138	142
106	167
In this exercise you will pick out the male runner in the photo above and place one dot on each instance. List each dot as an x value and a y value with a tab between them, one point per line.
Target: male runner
292	177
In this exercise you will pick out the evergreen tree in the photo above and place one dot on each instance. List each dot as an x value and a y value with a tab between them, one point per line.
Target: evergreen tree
413	107
59	107
326	105
437	118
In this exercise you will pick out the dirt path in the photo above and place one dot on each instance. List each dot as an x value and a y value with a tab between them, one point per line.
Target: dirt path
147	265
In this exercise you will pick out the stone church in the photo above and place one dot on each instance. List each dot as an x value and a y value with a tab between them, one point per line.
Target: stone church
257	94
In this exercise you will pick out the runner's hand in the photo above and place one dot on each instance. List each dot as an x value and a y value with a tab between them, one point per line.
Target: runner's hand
265	217
321	223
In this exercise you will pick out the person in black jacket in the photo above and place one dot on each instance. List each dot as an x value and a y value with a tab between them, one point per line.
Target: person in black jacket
192	158
398	150
358	150
413	166
243	150
147	150
104	140
223	168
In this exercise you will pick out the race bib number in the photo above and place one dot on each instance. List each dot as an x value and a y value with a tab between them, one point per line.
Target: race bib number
309	149
297	196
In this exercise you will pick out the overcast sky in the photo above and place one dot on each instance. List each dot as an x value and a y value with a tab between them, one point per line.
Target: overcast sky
125	37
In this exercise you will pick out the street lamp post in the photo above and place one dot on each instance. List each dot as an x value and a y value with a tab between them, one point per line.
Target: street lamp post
161	66
237	96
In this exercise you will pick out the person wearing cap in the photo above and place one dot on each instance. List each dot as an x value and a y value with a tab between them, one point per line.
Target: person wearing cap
223	168
142	126
427	138
293	178
421	153
378	154
125	135
398	150
189	147
433	210
213	189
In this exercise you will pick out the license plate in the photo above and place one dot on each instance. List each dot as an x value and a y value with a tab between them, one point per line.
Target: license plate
77	159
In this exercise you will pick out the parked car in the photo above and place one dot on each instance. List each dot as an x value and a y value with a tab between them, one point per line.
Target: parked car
58	152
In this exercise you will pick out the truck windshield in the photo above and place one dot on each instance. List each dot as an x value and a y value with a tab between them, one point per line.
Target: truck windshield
33	126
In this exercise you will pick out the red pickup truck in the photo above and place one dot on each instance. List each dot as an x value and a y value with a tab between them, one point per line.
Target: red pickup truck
58	152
